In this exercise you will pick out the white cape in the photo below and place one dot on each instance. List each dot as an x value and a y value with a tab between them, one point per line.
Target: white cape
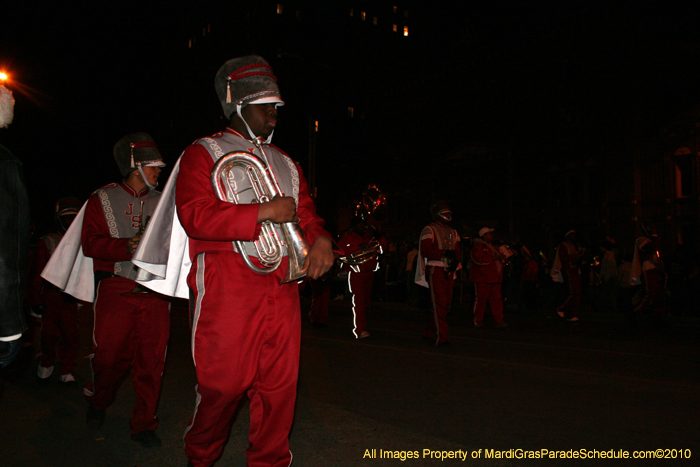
162	255
68	269
637	263
420	277
555	273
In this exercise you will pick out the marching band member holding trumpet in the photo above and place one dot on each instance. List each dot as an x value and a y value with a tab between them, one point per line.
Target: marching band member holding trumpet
246	324
486	272
131	330
438	259
94	262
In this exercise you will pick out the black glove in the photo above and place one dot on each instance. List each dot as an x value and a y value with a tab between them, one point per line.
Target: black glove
8	351
450	260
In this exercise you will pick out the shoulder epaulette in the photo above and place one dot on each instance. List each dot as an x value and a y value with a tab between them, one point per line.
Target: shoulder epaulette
109	185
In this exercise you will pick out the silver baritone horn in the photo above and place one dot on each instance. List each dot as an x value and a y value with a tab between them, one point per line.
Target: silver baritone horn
242	178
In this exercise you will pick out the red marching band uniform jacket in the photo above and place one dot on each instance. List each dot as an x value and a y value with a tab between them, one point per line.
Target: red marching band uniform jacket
208	219
568	254
436	238
486	263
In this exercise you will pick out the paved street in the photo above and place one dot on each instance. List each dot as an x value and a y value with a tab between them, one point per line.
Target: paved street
539	384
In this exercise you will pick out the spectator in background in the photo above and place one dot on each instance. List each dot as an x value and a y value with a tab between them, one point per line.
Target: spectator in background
14	241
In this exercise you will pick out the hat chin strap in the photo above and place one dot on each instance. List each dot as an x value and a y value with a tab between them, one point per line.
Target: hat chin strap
267	140
145	180
445	216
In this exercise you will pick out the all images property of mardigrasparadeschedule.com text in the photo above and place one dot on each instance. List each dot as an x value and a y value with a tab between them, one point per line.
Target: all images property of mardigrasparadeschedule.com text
464	455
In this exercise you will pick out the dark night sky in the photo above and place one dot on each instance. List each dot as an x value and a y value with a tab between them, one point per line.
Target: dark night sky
83	77
544	73
576	76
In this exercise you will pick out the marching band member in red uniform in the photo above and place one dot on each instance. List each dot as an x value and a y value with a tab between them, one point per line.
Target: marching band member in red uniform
246	326
566	267
131	327
361	276
58	311
438	259
486	272
648	270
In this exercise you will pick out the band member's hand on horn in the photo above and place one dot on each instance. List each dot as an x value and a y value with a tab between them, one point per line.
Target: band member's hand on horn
132	243
320	258
280	209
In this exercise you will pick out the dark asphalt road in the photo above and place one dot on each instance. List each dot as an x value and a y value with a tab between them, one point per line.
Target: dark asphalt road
539	384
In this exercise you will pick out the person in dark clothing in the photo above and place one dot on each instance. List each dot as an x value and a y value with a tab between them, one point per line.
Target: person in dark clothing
14	242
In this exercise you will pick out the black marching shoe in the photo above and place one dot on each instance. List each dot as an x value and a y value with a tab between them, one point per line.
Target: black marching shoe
147	438
95	417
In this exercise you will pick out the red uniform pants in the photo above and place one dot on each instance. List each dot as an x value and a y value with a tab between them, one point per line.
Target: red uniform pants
59	330
488	292
441	284
571	305
654	300
131	331
246	330
360	284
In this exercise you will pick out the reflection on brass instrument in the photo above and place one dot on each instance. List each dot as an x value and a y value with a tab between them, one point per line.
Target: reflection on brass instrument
363	255
269	247
373	200
142	224
506	251
142	227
